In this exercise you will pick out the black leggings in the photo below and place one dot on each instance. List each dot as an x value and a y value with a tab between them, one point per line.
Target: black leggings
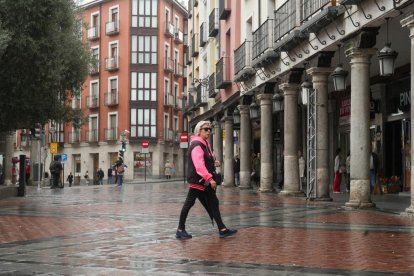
210	202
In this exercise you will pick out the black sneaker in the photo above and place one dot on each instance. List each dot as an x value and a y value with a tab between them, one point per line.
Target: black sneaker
183	235
227	232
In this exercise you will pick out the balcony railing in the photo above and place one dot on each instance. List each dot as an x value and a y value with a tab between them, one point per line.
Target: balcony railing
93	33
111	134
92	102
76	103
187	58
203	34
285	19
191	103
178	36
111	63
111	98
169	29
92	135
169	100
94	68
309	7
168	65
169	135
74	137
112	27
178	69
195	44
201	95
212	86
213	23
179	103
263	38
224	9
242	56
223	79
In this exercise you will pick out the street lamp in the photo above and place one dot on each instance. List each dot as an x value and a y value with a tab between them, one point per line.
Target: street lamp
339	74
387	57
277	100
236	116
307	87
254	111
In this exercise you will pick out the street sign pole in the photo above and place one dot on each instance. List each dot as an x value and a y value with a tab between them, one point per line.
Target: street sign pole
145	167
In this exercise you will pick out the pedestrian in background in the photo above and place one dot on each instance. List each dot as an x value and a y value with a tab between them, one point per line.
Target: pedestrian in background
100	176
373	168
55	169
109	175
348	172
338	174
201	171
28	170
236	171
167	169
302	166
70	179
120	169
86	176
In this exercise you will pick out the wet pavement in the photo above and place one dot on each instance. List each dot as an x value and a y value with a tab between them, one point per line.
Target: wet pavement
105	230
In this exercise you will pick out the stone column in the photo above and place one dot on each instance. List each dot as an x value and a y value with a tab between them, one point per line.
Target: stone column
218	144
229	153
245	147
291	163
409	23
320	84
10	138
360	194
266	139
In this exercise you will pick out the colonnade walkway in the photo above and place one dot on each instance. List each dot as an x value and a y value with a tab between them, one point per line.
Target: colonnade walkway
105	230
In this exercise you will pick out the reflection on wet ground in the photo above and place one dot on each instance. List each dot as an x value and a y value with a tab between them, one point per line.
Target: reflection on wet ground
104	230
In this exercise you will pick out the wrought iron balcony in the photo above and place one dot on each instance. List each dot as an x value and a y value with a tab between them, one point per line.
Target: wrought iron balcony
94	68
92	136
111	98
285	19
187	58
223	79
111	63
179	103
178	69
195	45
203	34
224	9
112	27
93	33
214	23
74	137
178	36
111	134
169	29
191	103
168	65
169	100
76	103
242	62
169	135
263	38
212	86
310	7
92	102
201	95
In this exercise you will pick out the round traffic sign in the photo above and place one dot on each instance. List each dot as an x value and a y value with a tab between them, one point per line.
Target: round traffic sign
183	137
145	144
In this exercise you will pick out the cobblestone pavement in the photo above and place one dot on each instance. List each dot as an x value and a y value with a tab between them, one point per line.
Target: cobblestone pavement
104	230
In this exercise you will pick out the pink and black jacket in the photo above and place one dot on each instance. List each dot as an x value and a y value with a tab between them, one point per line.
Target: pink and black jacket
200	164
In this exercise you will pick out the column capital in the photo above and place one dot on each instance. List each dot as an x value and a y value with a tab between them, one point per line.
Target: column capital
244	109
265	97
289	88
408	22
313	71
360	54
228	119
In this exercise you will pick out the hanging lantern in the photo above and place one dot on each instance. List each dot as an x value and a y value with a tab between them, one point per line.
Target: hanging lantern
236	116
305	91
387	57
277	102
339	78
254	111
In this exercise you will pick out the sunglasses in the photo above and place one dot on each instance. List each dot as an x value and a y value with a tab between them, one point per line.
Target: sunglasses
206	128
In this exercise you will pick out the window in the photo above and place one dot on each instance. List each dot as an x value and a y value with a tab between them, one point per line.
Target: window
143	86
113	14
144	50
144	13
175	93
166	91
95	57
143	122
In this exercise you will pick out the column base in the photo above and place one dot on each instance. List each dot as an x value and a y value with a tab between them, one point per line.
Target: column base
355	204
266	190
292	193
323	199
409	212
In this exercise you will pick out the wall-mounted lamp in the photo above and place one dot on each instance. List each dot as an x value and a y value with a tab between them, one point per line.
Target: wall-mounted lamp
236	116
387	57
277	100
254	111
339	74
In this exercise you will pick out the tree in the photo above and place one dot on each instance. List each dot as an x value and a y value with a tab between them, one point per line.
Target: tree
43	63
